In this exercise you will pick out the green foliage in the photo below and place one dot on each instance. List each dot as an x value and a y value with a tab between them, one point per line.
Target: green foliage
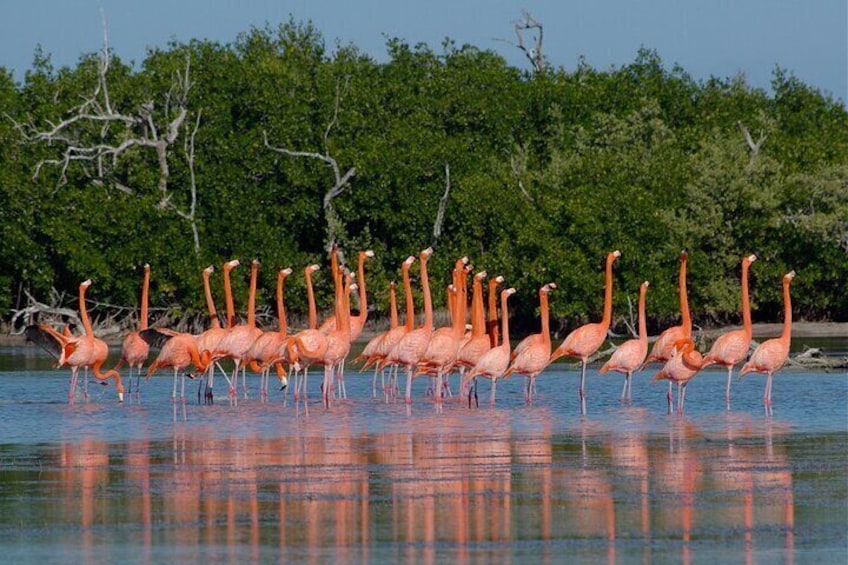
548	173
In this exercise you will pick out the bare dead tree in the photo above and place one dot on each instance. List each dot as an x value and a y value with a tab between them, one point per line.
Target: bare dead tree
526	24
443	204
335	226
754	146
96	136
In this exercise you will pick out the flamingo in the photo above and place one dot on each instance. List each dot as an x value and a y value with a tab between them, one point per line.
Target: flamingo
270	348
210	340
732	347
307	347
494	363
134	350
77	351
684	364
382	358
338	339
443	345
178	351
240	338
369	353
771	354
492	324
479	342
631	354
411	346
663	347
531	355
357	323
587	339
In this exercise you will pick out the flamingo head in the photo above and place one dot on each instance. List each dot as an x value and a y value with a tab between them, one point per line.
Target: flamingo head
368	253
616	254
409	261
508	291
147	267
209	270
789	276
426	253
312	268
254	263
86	283
499	279
548	287
751	258
231	264
684	255
392	285
285	272
645	284
481	275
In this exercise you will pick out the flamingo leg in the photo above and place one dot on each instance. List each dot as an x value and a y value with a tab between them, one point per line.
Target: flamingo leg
669	396
72	385
582	391
174	393
409	384
727	390
137	380
494	388
624	390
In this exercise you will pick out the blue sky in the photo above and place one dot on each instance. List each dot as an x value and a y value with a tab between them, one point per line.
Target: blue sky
722	38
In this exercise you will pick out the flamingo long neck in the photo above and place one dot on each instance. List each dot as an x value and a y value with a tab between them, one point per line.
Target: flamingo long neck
505	319
643	324
363	298
493	312
343	310
210	304
281	305
478	323
428	300
605	322
145	287
228	298
746	304
410	302
251	297
393	311
459	301
310	295
86	322
686	321
787	313
545	315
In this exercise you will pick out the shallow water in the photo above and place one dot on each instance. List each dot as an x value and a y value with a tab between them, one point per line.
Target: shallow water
100	482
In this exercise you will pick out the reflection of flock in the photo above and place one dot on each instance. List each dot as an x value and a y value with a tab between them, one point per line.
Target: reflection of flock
481	350
330	494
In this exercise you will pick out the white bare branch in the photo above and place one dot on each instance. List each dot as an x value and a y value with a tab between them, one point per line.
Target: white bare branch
443	204
534	53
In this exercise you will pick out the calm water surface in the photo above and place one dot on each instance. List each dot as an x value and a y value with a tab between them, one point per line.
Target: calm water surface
100	482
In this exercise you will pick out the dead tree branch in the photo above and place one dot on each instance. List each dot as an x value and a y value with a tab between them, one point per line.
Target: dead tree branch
534	53
335	226
754	146
443	204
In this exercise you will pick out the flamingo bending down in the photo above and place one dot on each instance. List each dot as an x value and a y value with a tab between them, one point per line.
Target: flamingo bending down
77	351
494	363
771	354
732	348
178	350
533	353
684	364
664	346
134	350
631	354
587	339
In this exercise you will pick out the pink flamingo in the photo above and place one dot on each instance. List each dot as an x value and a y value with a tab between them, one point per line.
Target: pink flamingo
411	346
240	338
732	347
357	323
492	323
664	346
494	363
210	340
684	364
771	354
85	351
270	348
338	339
383	357
134	350
443	345
587	339
532	354
307	347
178	351
369	353
479	342
631	354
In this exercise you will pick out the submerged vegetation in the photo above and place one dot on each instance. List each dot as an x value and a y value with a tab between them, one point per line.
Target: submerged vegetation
274	146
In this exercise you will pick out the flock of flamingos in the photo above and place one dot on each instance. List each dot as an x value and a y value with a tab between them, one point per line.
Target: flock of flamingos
435	353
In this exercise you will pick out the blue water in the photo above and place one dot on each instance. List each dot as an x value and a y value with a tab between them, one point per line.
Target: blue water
144	482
